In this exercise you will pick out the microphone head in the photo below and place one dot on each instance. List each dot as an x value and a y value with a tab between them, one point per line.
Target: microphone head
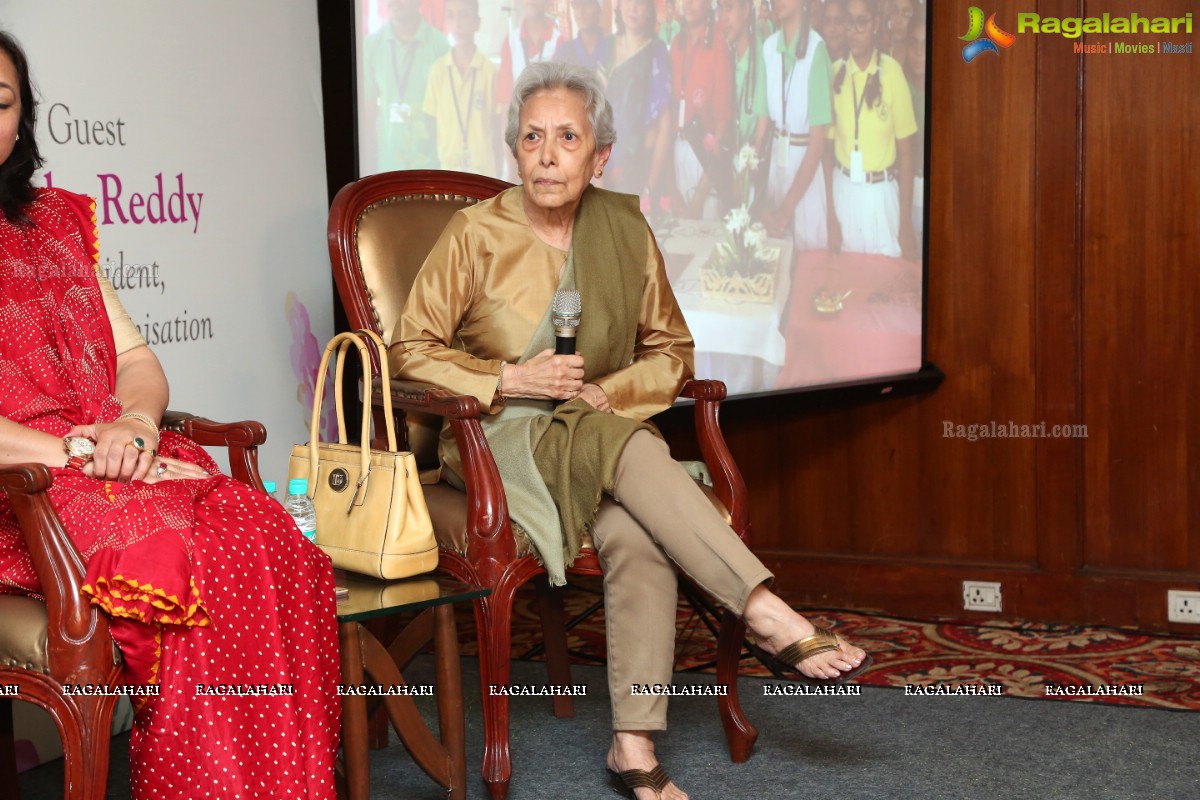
566	308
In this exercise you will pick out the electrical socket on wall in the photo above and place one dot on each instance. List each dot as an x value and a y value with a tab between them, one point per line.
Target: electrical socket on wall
1183	607
984	596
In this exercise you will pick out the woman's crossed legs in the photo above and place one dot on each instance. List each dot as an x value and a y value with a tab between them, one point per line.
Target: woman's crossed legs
658	521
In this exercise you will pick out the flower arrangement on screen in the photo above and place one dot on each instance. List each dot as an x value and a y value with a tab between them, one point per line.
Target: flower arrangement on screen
743	265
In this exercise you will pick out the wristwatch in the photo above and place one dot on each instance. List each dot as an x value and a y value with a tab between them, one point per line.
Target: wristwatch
79	451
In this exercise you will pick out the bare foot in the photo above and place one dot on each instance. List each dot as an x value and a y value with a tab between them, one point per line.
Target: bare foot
776	625
635	750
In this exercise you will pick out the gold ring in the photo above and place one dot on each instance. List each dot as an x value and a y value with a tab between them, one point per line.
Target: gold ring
139	443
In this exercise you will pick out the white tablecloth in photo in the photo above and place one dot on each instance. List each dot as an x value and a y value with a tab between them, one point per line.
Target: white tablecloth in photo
737	342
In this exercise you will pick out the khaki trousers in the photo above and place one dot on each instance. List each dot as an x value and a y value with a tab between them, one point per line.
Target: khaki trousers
658	520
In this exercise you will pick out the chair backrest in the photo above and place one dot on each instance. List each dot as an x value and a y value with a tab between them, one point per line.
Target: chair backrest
381	228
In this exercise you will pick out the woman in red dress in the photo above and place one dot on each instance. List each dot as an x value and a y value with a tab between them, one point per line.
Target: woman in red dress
208	583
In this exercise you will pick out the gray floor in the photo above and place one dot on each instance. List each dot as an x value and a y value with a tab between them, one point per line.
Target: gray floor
880	745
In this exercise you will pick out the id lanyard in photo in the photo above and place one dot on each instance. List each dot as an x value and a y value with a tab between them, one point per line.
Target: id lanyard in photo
464	126
857	173
400	111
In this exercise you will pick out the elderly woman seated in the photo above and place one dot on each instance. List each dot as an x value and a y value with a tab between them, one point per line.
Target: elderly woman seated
567	431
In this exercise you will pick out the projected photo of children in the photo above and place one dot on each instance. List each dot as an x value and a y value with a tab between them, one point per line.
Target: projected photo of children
777	147
873	136
396	58
640	90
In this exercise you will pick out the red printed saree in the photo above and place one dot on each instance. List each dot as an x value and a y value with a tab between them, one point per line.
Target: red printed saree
207	581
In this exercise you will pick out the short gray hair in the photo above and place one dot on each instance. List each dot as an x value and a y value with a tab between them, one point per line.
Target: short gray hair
543	76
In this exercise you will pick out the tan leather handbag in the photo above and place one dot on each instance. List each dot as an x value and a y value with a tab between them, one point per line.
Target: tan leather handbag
371	512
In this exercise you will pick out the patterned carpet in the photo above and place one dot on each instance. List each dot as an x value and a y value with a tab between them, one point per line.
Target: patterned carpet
1031	660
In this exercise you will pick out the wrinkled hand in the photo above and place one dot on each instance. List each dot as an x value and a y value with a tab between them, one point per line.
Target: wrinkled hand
168	469
594	396
545	376
116	458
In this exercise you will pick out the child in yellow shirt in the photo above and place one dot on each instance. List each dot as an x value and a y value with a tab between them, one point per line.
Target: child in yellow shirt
461	98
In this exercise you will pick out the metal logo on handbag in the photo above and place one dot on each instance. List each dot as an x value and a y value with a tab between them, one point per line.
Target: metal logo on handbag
339	479
381	527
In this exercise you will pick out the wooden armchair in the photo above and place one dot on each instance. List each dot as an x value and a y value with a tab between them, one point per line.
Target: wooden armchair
66	640
381	228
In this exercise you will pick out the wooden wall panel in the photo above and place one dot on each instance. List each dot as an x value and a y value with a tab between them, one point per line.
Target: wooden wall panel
1141	294
1057	300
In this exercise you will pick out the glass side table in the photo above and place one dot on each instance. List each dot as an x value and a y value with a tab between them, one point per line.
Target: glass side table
371	676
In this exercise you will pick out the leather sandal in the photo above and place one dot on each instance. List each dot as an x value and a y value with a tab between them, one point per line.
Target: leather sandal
631	779
822	640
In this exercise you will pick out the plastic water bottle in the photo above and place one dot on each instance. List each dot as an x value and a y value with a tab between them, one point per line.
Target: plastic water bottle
301	508
271	490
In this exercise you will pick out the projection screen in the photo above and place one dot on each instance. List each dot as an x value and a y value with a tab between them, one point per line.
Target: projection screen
783	176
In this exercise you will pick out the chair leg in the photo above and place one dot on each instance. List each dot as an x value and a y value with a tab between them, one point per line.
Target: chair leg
384	630
493	620
8	750
554	640
739	733
377	730
86	733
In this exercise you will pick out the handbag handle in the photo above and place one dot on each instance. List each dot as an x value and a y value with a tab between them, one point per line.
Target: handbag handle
389	423
341	343
356	339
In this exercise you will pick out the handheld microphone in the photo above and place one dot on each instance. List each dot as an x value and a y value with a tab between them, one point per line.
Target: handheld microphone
565	313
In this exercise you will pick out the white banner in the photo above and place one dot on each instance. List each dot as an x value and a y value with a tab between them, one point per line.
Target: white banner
197	128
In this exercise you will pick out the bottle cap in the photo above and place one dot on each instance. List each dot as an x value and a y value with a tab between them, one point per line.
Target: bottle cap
298	486
269	486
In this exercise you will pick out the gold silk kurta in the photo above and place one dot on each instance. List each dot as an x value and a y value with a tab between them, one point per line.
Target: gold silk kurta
480	299
486	286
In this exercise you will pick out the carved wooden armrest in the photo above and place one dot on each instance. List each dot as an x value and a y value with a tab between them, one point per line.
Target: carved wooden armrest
431	399
707	390
728	483
242	438
79	646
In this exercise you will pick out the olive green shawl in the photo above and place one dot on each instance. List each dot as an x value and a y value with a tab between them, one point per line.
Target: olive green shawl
556	461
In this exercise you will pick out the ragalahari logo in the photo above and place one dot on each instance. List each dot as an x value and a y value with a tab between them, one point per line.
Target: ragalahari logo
994	35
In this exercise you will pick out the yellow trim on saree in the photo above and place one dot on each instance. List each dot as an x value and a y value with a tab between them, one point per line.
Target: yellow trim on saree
138	599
